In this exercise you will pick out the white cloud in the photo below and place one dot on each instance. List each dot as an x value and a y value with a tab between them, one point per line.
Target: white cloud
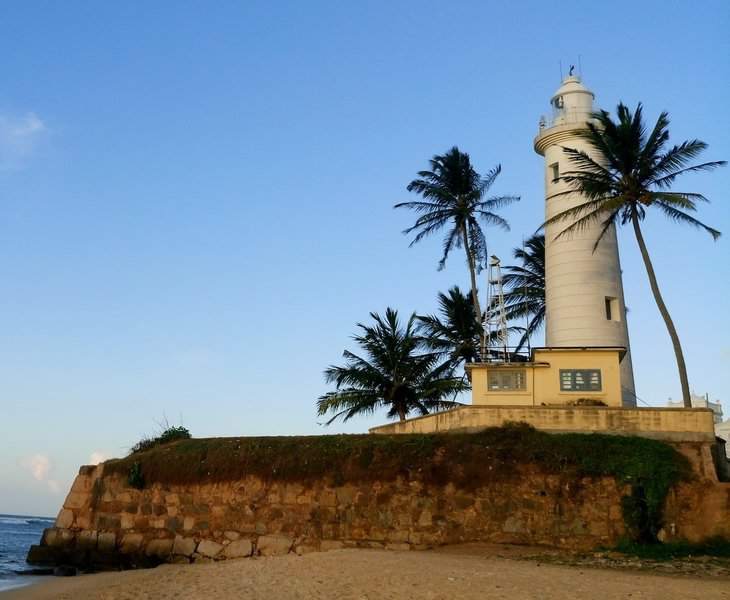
19	137
97	457
39	466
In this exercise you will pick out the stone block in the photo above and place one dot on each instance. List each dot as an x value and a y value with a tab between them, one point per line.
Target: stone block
397	546
199	558
42	555
86	540
76	499
127	521
57	538
304	549
131	543
159	548
125	497
65	518
327	545
83	520
238	549
273	545
184	545
107	542
231	535
82	483
209	549
108	521
188	523
425	519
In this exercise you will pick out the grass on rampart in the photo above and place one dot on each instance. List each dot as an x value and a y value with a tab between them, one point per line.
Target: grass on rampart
468	461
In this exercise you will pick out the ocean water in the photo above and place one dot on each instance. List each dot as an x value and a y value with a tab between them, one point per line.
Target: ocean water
17	533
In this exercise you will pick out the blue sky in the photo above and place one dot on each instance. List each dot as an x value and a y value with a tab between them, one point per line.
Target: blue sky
196	199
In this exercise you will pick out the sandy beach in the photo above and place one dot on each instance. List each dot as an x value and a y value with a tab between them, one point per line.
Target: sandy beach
371	574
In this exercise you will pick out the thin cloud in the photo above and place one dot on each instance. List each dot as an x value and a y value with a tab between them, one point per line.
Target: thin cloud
19	138
39	466
97	457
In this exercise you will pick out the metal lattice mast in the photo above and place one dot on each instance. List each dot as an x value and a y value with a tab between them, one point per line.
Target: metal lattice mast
495	321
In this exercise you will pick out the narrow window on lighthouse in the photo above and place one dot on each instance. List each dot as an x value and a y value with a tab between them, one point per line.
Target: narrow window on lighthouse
555	170
612	312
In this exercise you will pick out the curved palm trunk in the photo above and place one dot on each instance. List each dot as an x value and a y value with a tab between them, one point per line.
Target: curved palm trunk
681	366
473	275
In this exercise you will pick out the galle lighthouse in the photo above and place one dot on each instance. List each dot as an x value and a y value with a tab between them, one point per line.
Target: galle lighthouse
583	290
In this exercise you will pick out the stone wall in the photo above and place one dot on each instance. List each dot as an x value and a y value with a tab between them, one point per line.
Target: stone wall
106	523
667	424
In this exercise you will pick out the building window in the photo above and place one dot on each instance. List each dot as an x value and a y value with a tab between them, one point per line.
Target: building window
555	171
507	380
580	380
612	312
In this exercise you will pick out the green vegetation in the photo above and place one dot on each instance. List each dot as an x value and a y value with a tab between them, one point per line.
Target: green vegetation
717	546
170	433
454	197
455	332
631	174
467	461
135	478
395	372
526	284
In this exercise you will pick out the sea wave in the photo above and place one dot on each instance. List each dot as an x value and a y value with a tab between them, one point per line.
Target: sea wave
25	520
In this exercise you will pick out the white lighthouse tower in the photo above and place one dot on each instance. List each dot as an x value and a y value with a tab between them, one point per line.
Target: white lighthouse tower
583	291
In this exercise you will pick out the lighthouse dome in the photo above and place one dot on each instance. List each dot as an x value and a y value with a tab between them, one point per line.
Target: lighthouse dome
572	102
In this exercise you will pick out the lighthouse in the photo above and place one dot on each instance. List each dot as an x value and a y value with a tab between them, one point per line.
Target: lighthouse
584	294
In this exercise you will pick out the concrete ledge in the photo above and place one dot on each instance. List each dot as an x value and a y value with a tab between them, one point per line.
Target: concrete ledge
670	424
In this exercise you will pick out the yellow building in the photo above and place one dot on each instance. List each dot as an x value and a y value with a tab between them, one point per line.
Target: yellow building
560	390
551	377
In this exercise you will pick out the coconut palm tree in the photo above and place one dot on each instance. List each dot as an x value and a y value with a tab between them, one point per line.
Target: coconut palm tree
525	298
454	198
455	332
632	173
393	373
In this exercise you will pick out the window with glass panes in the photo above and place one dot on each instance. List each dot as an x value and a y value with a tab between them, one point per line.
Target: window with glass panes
580	380
507	380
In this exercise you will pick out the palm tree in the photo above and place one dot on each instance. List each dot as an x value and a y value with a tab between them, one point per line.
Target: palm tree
455	333
394	373
454	197
631	173
526	284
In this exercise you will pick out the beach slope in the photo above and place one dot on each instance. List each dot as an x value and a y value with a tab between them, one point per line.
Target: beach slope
371	574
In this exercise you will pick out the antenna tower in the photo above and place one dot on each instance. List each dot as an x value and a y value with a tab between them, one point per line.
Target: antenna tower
494	342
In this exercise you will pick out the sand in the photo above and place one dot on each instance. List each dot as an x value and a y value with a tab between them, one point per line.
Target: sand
371	574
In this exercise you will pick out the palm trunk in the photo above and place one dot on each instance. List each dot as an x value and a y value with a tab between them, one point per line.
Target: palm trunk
401	413
681	366
473	275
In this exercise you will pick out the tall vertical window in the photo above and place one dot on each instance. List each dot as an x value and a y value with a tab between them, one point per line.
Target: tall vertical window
555	171
612	312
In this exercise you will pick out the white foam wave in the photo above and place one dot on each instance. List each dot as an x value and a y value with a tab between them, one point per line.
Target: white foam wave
24	520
